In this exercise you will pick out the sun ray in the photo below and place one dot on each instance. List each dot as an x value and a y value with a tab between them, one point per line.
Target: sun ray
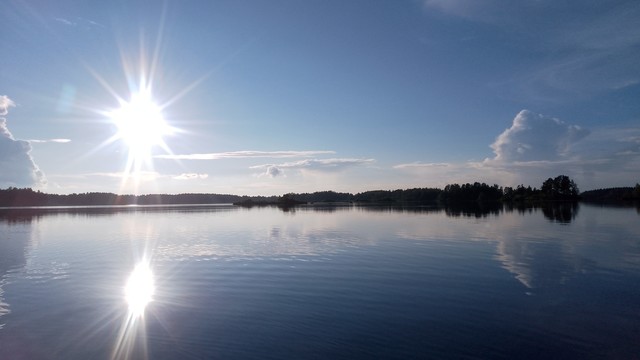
156	53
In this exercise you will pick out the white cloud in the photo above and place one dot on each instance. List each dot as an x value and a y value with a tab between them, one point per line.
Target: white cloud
16	164
273	171
536	147
245	154
419	165
137	176
40	141
5	104
190	176
534	137
79	22
336	164
594	158
147	175
64	21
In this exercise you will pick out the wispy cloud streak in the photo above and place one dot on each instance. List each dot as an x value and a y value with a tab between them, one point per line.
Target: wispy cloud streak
319	165
190	176
40	141
245	154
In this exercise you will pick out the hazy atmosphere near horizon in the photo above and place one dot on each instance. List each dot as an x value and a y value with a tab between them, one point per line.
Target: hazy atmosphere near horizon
269	97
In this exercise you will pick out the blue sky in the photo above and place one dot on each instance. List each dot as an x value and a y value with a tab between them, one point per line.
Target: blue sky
269	97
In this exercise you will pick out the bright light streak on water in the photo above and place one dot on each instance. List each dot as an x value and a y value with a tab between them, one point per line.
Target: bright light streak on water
140	289
131	341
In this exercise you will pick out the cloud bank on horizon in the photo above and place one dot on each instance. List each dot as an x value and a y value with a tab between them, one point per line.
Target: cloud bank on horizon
536	144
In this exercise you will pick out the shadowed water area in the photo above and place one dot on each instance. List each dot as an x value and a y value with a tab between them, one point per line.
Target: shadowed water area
558	282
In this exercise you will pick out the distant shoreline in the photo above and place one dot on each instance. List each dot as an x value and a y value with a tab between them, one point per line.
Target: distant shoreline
560	189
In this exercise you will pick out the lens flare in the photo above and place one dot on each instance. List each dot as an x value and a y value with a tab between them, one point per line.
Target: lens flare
140	124
139	289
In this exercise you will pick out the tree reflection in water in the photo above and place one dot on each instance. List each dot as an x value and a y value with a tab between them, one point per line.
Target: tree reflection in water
563	212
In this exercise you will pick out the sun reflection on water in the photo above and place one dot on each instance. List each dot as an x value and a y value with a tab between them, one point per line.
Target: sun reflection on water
139	289
138	292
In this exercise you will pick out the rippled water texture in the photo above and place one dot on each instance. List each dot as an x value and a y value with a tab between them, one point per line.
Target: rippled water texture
321	283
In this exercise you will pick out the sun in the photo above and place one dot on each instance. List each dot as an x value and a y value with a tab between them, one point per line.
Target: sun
141	125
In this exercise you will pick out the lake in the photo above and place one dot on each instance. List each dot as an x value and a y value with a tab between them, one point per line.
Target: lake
324	282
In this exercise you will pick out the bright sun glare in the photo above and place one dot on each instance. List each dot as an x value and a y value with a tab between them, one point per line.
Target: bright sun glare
139	289
141	125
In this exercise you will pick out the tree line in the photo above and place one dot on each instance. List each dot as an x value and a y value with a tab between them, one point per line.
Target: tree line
613	194
560	188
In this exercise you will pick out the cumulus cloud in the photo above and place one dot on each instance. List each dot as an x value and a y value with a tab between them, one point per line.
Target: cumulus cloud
535	137
245	154
536	147
273	171
190	176
16	164
5	104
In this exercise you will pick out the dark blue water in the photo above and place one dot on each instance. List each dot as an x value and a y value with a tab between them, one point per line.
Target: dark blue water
322	283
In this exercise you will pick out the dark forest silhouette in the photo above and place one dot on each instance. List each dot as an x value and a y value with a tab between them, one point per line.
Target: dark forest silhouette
560	188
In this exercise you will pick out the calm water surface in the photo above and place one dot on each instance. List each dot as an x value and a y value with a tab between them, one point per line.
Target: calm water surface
321	283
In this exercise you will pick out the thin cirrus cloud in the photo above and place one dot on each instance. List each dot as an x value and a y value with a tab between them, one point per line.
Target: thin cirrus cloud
536	147
190	176
18	167
149	175
589	52
420	165
140	175
79	22
317	165
245	154
41	141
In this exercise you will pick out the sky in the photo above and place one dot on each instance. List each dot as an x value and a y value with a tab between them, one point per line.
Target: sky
259	97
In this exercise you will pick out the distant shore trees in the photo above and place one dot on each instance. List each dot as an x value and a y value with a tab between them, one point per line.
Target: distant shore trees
560	188
479	192
617	194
